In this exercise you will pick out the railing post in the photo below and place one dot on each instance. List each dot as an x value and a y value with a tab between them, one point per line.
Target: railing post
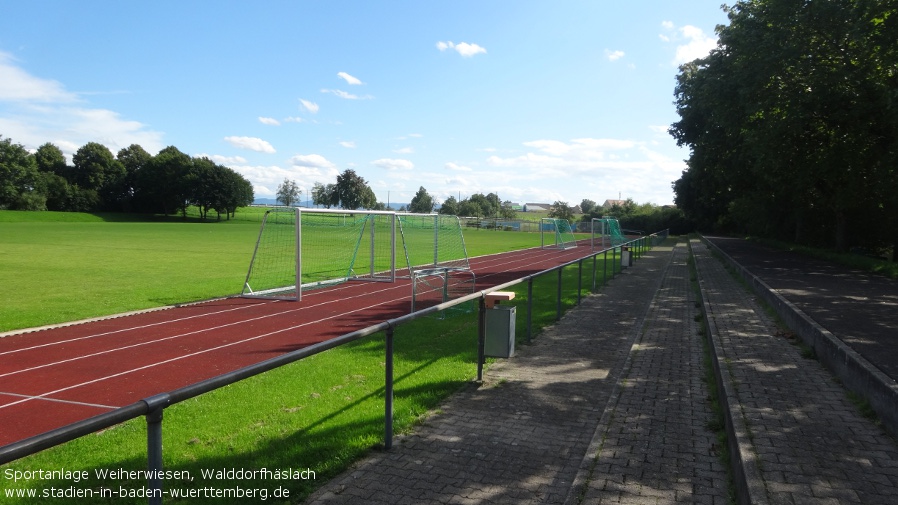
388	391
605	267
613	261
155	407
154	455
558	298
529	309
481	338
579	280
594	260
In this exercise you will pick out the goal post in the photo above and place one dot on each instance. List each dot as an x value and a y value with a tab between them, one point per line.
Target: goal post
556	233
432	241
436	258
433	286
272	272
605	233
301	249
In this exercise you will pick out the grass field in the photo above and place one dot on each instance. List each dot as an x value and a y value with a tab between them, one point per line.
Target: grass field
321	413
57	267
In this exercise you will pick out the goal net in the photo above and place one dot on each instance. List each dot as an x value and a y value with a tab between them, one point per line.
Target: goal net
556	233
301	249
434	286
436	258
606	232
431	241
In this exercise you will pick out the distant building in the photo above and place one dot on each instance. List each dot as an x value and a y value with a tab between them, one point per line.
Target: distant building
611	203
536	207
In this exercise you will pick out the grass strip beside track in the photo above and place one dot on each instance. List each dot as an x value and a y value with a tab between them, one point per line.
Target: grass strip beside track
62	266
321	414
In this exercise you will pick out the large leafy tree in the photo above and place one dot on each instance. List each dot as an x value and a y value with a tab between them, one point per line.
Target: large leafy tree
18	176
288	192
323	194
791	121
95	168
422	202
163	185
234	191
561	210
449	206
50	159
352	192
134	158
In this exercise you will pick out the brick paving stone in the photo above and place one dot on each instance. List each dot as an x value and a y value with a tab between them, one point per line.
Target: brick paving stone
655	445
610	406
521	436
812	444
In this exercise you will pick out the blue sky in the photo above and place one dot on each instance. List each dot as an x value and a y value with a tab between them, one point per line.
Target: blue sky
535	101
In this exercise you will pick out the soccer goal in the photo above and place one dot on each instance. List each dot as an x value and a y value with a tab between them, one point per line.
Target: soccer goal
302	249
606	233
436	258
431	241
433	286
556	234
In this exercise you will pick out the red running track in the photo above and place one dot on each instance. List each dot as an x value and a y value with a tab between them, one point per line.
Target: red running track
50	378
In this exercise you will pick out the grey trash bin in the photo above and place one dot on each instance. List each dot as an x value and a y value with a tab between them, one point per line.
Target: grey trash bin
499	332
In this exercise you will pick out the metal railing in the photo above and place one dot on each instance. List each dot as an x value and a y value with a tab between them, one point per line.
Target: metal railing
153	407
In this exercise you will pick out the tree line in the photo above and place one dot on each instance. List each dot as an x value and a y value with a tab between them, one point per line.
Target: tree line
133	180
351	191
792	124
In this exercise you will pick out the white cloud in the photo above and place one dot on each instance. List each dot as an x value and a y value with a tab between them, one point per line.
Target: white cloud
393	164
352	81
613	55
223	160
41	110
309	106
269	121
404	150
343	94
462	48
693	42
251	143
293	119
457	168
311	161
597	166
18	85
349	144
266	178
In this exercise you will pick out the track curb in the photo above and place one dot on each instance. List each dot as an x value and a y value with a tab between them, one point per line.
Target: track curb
746	474
857	374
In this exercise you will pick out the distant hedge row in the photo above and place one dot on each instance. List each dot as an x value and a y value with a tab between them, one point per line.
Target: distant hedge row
131	181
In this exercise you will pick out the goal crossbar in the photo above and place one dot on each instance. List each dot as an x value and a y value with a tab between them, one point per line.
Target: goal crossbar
300	249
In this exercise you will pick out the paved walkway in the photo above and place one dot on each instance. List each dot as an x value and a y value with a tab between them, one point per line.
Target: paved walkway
611	405
802	440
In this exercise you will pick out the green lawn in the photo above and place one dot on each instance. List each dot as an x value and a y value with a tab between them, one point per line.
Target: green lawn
321	413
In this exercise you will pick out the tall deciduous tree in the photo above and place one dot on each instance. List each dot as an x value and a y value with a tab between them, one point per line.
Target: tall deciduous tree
792	121
288	192
352	191
422	202
134	158
561	210
163	186
18	175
